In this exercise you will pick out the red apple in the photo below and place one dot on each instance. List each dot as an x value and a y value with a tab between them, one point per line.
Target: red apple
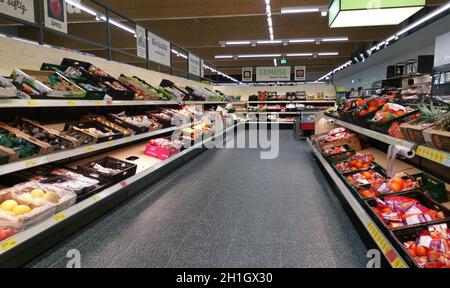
56	8
6	233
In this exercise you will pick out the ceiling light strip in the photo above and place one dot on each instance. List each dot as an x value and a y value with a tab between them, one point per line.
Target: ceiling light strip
269	19
394	37
281	41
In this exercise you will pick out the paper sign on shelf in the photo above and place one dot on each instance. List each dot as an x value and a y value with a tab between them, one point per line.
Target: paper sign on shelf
141	42
55	15
23	9
194	64
158	49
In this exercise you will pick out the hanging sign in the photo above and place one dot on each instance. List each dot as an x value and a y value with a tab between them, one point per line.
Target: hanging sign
55	15
194	65
247	74
141	42
158	49
300	73
23	9
270	74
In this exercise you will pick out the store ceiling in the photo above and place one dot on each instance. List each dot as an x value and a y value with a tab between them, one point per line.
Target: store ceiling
199	25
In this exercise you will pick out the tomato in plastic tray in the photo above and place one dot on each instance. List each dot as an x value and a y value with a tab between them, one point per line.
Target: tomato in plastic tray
406	209
108	169
426	245
357	162
367	176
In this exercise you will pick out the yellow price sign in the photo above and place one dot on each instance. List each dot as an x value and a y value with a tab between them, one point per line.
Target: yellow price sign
31	163
8	244
96	198
432	154
90	148
59	217
32	103
98	103
71	103
397	263
379	239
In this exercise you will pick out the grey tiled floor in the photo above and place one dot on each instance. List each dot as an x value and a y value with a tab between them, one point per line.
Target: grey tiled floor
226	208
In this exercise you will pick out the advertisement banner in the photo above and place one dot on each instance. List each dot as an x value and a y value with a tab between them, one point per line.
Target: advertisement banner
23	9
194	64
141	42
55	15
247	74
273	74
158	49
300	73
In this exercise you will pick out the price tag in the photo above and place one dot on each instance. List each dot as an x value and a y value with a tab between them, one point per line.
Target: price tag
31	163
379	239
31	103
59	217
109	144
96	198
71	103
98	103
90	148
8	244
397	263
433	155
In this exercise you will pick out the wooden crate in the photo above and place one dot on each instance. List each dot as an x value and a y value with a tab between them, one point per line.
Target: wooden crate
437	137
67	140
44	148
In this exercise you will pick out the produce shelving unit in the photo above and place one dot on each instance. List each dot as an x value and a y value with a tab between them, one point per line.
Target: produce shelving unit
23	247
19	103
387	246
438	156
49	158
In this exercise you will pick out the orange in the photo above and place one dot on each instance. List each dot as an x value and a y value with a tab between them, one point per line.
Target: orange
395	187
359	164
397	180
421	251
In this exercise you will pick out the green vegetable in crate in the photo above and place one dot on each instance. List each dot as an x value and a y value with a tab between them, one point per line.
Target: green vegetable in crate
431	114
19	145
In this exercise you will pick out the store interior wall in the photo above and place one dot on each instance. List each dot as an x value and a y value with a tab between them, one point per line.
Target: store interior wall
422	42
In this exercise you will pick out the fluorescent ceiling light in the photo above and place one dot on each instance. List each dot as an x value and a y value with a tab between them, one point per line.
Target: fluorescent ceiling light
294	10
299	54
328	53
82	7
119	25
426	18
269	42
223	56
301	40
238	42
259	55
336	39
324	13
275	62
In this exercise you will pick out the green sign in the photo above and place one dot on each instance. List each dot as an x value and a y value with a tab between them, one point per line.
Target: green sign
283	61
271	74
352	9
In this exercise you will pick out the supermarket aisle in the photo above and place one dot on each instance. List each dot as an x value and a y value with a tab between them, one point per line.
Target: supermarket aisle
224	209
